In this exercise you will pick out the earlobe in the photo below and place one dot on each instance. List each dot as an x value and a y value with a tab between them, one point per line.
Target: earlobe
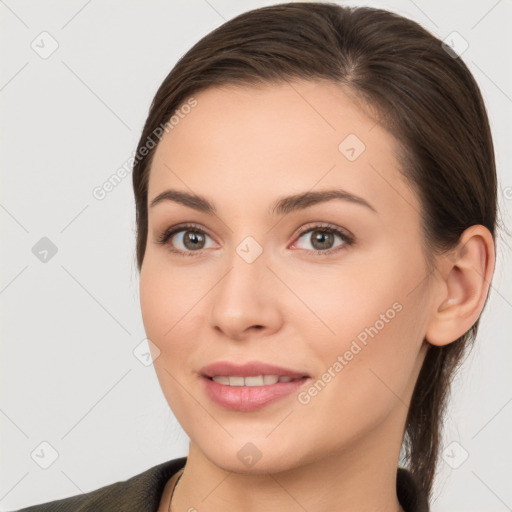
462	281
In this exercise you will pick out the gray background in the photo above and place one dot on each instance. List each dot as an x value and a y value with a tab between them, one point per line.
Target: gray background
70	325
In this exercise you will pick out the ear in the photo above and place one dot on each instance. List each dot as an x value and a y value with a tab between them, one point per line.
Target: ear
462	279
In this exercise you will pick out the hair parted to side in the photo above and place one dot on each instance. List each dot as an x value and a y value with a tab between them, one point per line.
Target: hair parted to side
426	98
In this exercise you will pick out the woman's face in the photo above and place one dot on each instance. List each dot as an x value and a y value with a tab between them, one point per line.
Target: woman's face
246	285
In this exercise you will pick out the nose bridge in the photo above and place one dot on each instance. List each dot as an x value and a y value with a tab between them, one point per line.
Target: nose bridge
247	266
243	297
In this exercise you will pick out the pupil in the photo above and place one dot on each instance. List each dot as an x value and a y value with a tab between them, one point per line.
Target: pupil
323	238
193	238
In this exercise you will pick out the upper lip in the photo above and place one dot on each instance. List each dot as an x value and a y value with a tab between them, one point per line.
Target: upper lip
248	369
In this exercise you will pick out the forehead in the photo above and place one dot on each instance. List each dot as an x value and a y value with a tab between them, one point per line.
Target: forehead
251	141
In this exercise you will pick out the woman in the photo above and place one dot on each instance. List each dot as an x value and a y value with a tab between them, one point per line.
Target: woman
316	215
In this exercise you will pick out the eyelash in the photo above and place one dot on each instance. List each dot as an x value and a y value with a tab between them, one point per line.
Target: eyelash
324	227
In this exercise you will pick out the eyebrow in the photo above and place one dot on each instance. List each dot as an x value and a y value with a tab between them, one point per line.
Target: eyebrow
282	206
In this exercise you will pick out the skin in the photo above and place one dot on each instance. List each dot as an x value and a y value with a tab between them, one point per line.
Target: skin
243	148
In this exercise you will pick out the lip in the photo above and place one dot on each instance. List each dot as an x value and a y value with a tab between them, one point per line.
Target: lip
249	398
249	369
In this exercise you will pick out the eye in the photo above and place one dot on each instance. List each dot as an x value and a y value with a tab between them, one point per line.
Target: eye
192	240
322	238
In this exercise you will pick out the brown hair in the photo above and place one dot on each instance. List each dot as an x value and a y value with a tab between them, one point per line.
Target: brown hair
427	98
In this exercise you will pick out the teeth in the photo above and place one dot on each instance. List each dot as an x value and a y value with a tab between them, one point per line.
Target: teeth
222	380
257	380
236	381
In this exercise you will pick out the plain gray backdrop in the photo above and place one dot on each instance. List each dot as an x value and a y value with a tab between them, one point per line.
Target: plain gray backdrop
80	407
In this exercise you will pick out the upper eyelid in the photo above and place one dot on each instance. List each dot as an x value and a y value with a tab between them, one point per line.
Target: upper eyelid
310	225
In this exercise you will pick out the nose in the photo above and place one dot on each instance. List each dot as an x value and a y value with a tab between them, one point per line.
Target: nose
245	301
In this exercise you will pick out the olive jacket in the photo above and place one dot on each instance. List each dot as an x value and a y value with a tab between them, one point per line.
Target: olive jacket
143	493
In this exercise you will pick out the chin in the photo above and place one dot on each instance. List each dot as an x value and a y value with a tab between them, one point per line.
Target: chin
255	457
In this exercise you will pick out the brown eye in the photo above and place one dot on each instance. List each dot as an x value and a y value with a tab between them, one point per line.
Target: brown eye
184	240
192	240
323	238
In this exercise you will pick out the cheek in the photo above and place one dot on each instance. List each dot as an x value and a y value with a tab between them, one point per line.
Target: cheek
340	304
170	301
168	295
374	288
360	383
372	316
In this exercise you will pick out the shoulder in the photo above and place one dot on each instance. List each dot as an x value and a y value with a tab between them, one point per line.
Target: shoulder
141	492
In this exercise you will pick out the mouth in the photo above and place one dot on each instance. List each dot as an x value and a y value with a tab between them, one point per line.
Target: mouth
253	381
251	386
252	372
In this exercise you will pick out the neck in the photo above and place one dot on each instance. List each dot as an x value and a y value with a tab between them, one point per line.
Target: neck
362	478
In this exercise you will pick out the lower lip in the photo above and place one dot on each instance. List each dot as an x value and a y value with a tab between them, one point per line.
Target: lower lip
249	398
